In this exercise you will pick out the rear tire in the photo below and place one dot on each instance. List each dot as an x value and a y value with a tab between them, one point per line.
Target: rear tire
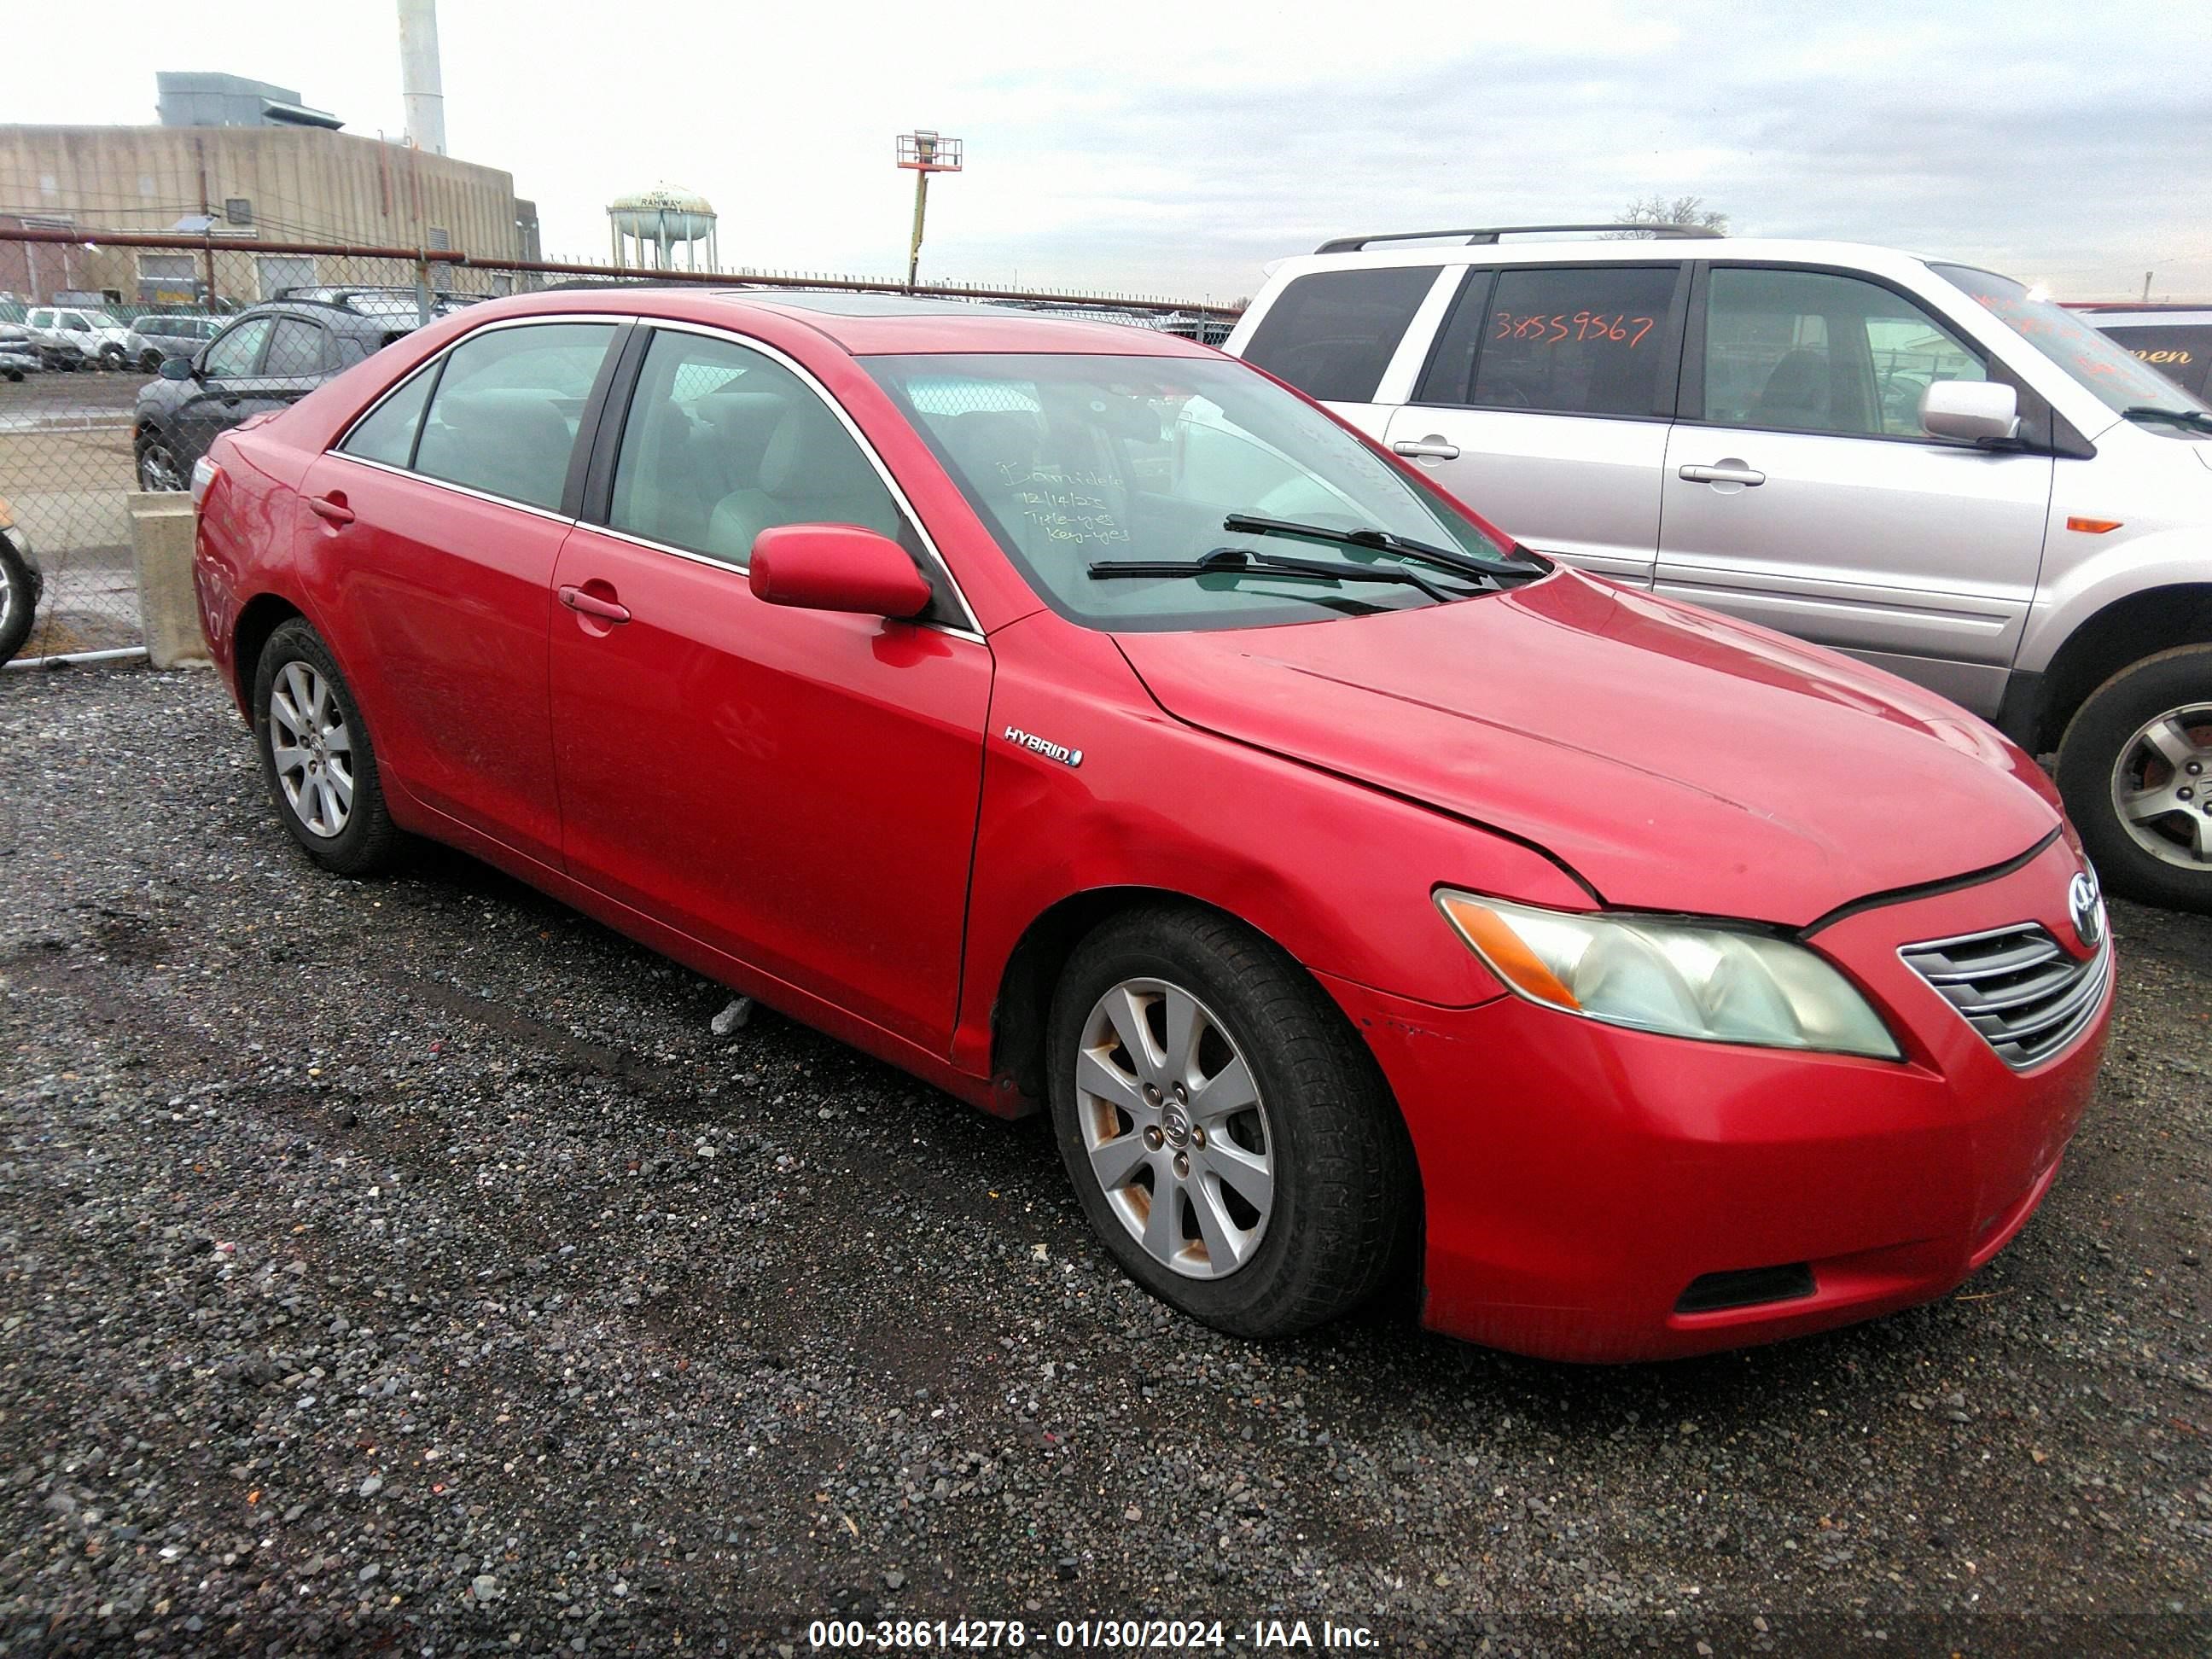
2124	768
316	755
1279	1216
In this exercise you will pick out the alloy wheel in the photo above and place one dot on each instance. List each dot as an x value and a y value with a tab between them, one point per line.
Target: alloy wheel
1175	1132
159	468
2162	786
312	750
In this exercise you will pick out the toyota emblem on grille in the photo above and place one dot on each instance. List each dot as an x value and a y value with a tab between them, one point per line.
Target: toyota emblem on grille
2081	902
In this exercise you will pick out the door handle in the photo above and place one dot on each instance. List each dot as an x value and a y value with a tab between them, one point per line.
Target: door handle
590	604
331	507
1735	473
1433	448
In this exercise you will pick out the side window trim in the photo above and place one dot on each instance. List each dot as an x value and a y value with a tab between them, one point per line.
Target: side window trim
2035	413
1426	390
1402	375
607	440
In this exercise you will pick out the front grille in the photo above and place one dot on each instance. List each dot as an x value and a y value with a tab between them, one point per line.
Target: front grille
2023	991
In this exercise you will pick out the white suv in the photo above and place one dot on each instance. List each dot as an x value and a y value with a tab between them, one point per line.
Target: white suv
1921	464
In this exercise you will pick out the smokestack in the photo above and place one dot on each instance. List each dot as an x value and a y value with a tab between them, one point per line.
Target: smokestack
418	75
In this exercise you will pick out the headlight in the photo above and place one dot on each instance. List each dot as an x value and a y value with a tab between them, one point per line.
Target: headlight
1714	982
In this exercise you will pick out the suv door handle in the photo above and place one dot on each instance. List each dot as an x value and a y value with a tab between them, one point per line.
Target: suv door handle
590	604
331	507
1434	447
1735	473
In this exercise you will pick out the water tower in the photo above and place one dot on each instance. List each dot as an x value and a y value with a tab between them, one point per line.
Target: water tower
649	226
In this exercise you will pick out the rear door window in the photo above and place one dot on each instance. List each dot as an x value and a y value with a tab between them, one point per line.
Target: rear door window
295	350
1567	340
388	433
505	414
1333	333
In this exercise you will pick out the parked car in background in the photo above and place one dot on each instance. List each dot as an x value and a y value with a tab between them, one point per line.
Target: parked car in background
173	334
1353	887
20	583
19	352
265	357
79	336
1910	461
2177	343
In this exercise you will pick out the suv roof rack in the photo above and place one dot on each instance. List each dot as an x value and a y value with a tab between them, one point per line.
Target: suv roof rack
1484	235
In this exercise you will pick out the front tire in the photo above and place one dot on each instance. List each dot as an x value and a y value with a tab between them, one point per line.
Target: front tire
2135	768
316	755
19	594
150	362
1230	1137
159	468
111	357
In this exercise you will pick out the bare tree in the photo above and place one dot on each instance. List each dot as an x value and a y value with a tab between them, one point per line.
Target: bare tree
1657	210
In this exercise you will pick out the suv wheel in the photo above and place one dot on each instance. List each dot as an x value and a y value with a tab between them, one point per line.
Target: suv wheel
2136	768
150	362
1230	1137
110	356
315	754
158	466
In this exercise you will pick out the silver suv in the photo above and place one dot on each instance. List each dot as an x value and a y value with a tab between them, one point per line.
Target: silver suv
1927	465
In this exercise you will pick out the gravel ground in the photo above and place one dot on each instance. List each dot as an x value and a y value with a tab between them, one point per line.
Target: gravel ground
405	1266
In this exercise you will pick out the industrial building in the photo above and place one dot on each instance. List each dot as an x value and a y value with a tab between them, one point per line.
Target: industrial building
243	163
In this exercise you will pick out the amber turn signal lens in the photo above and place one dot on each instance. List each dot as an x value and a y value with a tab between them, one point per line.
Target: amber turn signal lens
2094	527
1503	950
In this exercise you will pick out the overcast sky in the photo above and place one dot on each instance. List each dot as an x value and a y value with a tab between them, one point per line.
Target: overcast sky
1175	148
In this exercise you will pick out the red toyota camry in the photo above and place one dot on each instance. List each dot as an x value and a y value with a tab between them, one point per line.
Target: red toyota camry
1084	721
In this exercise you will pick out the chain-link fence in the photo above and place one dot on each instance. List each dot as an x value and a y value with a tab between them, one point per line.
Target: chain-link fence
122	357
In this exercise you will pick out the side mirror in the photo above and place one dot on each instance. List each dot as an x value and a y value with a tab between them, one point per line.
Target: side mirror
836	567
1971	411
176	368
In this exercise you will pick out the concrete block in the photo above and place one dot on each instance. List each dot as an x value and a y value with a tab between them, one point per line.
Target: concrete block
162	527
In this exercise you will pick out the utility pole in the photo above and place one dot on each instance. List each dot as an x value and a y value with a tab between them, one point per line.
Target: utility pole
923	152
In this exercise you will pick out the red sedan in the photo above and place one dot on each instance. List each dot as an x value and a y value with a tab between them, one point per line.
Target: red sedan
1081	719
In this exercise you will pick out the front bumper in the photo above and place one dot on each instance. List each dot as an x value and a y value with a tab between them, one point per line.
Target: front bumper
1578	1178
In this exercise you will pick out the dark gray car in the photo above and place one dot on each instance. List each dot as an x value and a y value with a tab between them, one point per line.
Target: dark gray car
265	357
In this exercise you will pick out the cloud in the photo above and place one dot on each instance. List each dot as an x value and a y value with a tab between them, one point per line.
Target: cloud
1167	147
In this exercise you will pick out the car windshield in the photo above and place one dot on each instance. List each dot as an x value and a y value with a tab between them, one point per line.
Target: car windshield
1072	461
2121	382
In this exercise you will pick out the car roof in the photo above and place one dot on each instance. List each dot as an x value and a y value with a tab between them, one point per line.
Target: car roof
2112	319
336	316
868	324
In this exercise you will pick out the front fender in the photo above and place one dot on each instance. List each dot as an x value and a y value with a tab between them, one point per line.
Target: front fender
1337	873
2075	588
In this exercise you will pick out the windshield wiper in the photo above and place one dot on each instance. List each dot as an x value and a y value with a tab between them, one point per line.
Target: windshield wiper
1382	541
2195	420
1241	561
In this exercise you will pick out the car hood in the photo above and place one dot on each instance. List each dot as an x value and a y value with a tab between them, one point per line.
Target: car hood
1674	759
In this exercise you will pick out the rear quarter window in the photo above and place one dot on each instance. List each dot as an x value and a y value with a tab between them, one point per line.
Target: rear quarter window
1333	333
